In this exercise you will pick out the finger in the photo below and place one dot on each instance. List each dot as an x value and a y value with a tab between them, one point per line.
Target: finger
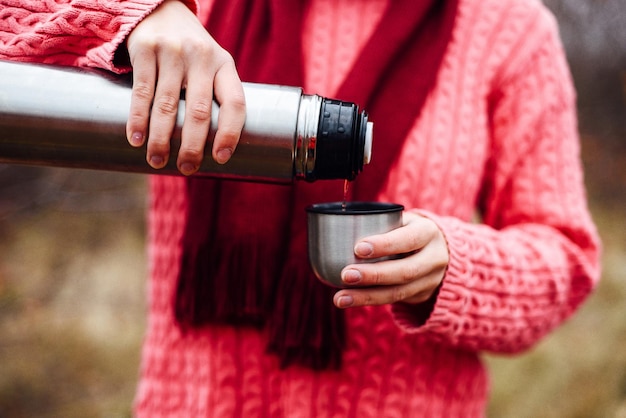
414	292
416	233
198	102
164	110
144	80
395	272
230	96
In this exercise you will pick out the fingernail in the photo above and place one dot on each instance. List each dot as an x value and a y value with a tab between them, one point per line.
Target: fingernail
136	139
363	249
187	168
351	276
344	301
223	155
156	161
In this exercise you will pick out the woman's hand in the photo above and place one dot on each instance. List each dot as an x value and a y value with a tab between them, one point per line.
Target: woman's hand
410	279
171	50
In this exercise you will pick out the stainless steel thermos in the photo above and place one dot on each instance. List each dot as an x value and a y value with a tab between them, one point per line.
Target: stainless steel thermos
70	117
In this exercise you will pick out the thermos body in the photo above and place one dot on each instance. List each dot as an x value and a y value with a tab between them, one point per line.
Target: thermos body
69	117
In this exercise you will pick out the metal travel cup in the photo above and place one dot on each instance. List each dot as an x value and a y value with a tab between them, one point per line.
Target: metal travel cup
69	117
334	229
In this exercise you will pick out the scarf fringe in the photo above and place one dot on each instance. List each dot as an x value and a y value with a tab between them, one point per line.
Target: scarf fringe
305	328
223	283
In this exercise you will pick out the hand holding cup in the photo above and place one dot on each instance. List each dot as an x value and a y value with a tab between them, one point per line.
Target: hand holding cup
402	262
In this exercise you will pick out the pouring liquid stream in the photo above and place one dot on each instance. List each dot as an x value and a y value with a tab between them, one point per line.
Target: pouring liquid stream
346	189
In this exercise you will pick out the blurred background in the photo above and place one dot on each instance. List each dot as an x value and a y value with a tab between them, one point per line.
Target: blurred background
73	268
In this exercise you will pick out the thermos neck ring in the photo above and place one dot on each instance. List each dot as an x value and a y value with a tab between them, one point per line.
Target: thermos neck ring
306	136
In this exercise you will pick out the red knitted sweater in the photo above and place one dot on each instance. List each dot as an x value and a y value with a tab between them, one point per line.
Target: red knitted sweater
497	137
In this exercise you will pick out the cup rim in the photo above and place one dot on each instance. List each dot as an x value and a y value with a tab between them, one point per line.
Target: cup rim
354	208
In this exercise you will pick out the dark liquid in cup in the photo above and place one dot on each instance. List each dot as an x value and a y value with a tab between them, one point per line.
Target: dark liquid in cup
354	208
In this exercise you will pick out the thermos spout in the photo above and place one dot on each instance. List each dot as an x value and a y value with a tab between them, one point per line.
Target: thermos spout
71	117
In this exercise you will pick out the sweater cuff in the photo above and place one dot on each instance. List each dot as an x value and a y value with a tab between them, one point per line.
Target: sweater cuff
437	315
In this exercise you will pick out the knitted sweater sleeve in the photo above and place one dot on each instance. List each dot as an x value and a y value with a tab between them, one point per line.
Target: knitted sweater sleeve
78	33
535	257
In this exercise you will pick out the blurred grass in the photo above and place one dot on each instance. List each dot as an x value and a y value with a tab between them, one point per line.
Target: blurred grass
72	299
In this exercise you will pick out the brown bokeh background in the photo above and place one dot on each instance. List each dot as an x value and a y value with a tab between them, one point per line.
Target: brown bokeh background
73	268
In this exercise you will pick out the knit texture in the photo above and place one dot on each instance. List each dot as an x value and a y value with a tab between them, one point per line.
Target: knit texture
83	33
497	139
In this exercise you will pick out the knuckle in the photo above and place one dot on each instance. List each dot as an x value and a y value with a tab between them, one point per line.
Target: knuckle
200	111
166	104
377	278
417	241
137	120
142	90
139	45
170	46
224	58
158	141
398	294
201	49
191	154
207	51
196	46
413	272
368	300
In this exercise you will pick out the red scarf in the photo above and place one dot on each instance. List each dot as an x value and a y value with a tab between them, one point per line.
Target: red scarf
244	246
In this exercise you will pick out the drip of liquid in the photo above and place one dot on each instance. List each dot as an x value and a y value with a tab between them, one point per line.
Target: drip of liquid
346	188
